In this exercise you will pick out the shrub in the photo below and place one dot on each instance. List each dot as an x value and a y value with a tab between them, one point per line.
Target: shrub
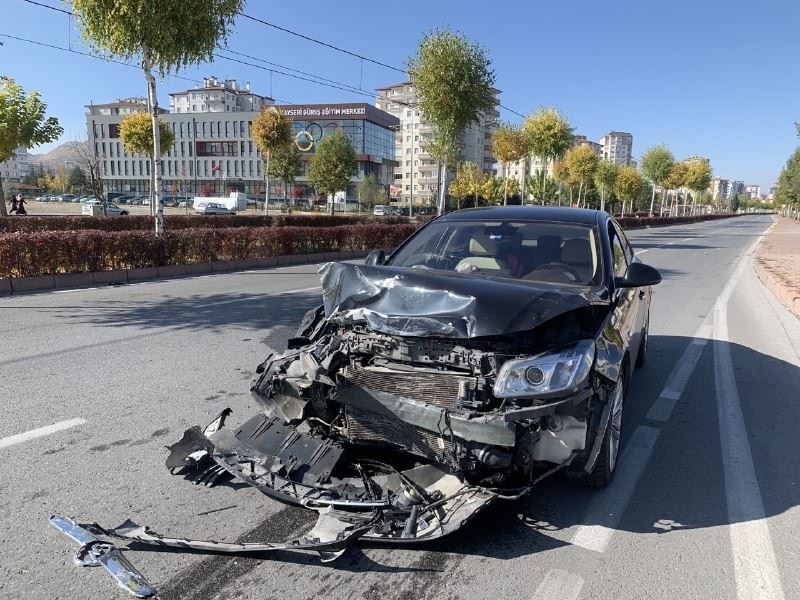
49	252
175	222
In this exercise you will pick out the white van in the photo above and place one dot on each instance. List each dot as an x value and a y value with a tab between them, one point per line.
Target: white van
381	210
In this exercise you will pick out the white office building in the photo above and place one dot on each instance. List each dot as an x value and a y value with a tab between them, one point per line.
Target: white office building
416	176
214	152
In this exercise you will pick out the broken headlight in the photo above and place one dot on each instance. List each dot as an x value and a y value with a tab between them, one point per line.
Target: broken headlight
546	373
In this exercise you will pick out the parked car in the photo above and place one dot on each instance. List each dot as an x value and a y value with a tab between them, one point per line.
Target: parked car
112	210
380	210
491	349
213	208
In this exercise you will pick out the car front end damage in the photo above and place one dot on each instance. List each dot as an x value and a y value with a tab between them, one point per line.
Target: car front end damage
411	401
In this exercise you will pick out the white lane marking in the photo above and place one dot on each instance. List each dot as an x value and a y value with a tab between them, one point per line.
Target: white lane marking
607	505
681	373
256	298
679	377
638	252
755	567
73	291
41	432
559	585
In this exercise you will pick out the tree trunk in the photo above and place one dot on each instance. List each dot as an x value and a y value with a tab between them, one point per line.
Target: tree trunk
266	179
544	180
522	181
442	183
652	199
602	196
3	209
580	189
505	184
151	89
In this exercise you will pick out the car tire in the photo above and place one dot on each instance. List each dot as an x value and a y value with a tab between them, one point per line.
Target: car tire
641	357
606	465
122	213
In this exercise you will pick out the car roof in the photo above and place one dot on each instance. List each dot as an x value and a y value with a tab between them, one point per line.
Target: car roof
525	213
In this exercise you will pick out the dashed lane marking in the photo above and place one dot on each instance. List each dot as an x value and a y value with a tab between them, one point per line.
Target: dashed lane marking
559	584
607	506
40	432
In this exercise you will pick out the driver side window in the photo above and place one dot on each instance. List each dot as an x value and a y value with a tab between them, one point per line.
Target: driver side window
618	254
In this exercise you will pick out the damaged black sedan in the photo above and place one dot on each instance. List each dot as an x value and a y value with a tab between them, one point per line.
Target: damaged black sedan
493	348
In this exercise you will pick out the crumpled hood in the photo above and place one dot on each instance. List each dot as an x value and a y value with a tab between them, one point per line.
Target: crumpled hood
421	303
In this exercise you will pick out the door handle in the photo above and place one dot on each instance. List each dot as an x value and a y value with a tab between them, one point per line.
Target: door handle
641	294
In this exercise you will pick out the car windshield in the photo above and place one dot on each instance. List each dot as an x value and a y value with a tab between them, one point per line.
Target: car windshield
527	250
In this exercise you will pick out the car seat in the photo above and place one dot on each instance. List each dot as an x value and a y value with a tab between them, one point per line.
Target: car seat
483	256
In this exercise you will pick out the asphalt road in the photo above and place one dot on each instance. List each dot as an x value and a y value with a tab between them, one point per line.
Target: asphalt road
705	504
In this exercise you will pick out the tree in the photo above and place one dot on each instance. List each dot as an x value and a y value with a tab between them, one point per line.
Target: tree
676	180
510	187
286	164
656	165
561	175
77	179
462	185
582	164
271	131
534	184
492	189
455	86
333	164
136	134
508	145
165	36
698	178
370	191
788	193
604	178
548	136
23	124
629	185
91	165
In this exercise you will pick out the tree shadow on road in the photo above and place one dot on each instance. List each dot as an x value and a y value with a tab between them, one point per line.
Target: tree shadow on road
213	312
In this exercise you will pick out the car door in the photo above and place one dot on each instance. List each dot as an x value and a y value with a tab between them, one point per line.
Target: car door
628	300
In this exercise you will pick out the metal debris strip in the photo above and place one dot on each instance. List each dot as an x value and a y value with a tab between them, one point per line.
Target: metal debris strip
330	538
94	552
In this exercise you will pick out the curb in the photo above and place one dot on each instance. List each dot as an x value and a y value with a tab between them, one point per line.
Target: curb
788	295
42	283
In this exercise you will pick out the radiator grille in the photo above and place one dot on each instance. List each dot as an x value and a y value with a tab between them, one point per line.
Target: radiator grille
437	388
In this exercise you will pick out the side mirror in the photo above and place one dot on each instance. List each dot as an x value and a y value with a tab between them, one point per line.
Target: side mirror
639	275
376	257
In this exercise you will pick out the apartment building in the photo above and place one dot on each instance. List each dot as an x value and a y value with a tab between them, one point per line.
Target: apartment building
720	188
214	152
617	147
753	191
218	96
16	167
416	177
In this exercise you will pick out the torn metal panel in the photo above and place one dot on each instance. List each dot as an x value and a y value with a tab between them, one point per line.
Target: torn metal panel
421	303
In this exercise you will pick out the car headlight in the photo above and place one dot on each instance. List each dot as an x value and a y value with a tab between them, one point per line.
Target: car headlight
546	373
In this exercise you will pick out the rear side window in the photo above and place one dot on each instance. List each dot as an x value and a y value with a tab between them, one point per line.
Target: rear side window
619	255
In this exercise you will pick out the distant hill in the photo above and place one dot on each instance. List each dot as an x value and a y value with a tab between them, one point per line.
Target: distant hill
67	152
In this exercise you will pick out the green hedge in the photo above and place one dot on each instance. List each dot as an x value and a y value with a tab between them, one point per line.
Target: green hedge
50	252
172	222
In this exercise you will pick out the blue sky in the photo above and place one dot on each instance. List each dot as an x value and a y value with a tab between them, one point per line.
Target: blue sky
704	77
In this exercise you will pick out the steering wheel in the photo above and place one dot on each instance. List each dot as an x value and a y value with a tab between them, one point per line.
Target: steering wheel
571	273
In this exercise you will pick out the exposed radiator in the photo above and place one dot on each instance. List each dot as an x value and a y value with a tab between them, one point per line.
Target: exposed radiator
364	426
439	388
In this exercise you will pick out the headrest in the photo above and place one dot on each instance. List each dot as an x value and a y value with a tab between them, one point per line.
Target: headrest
576	252
548	243
482	245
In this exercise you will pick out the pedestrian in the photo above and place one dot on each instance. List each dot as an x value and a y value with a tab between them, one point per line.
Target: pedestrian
21	206
13	204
